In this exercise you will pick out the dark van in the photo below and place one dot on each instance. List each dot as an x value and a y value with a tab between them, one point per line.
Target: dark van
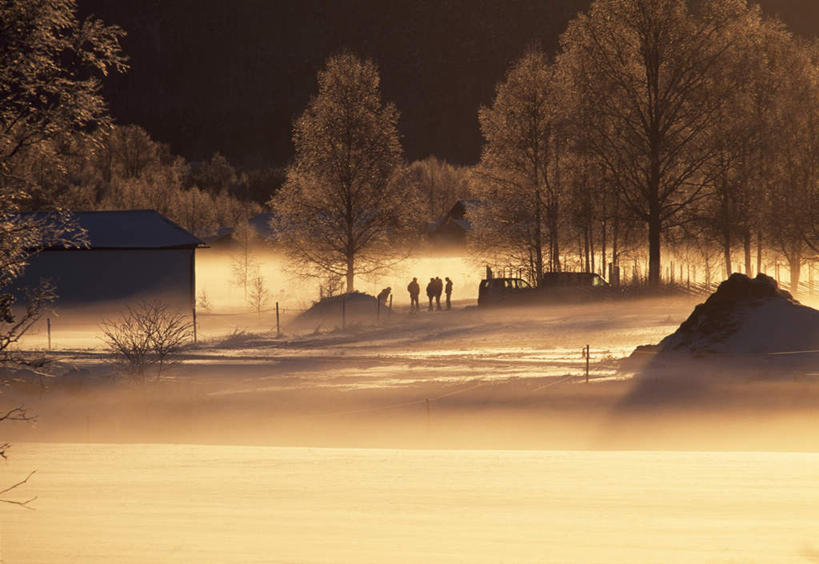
554	286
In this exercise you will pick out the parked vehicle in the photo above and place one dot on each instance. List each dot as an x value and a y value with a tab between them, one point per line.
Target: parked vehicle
503	291
570	286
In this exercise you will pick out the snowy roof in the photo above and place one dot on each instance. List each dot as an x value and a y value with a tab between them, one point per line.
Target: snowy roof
132	229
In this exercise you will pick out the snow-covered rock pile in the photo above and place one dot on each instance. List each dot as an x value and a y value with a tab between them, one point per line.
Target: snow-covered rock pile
746	316
355	307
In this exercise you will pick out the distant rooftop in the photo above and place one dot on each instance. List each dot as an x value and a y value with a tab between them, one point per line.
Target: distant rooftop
132	229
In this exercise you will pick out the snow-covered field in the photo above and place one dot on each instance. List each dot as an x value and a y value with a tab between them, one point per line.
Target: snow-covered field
103	503
466	378
383	376
402	441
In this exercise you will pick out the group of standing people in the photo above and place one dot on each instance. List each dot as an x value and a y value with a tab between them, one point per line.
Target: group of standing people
435	288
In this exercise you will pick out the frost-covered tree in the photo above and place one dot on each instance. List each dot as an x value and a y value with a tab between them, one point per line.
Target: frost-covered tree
439	184
216	175
793	196
51	64
643	73
243	264
259	295
340	210
520	168
743	138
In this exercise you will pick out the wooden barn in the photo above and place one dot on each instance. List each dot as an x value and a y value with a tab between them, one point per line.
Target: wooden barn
131	255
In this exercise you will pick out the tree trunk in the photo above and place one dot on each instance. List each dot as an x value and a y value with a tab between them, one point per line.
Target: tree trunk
615	234
795	263
580	254
603	261
746	243
350	273
654	230
759	252
538	236
726	253
591	245
707	274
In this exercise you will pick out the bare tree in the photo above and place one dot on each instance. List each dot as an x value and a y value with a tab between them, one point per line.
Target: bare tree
643	74
203	302
520	164
744	132
792	202
340	211
243	264
259	295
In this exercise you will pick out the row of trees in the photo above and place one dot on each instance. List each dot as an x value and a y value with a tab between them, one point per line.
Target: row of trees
685	124
691	123
659	122
122	167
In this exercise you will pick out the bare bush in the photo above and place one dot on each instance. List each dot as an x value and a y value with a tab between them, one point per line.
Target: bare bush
148	334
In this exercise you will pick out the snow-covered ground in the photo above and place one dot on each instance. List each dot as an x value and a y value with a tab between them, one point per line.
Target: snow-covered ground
466	378
219	461
103	503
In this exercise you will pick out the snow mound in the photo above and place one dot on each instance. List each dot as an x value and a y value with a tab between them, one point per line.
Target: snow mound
745	331
746	316
355	307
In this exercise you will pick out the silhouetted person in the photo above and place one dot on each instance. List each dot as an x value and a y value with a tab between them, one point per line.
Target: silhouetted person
414	291
439	287
384	295
431	292
448	292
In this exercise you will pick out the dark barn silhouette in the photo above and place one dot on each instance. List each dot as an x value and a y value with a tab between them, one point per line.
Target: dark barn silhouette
131	255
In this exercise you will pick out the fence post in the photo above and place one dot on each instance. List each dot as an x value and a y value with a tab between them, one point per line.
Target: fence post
48	324
278	327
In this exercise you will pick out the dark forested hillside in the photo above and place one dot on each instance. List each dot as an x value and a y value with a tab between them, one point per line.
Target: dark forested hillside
211	76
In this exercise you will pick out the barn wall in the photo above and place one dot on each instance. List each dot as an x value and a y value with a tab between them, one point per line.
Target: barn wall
95	276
